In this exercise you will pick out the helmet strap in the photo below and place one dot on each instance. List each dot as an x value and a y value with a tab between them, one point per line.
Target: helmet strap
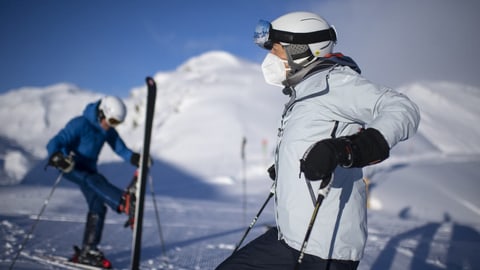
293	57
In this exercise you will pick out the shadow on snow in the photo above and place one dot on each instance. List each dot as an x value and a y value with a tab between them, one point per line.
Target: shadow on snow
462	252
168	180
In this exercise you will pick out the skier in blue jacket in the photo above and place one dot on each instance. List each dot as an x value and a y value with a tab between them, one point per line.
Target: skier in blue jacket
75	150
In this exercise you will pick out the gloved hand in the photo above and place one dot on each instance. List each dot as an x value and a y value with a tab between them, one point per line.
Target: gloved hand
61	162
361	149
322	158
271	172
135	160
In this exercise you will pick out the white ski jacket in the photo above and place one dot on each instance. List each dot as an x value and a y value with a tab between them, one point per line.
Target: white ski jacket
333	103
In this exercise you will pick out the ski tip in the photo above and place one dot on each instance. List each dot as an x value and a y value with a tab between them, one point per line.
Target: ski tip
150	81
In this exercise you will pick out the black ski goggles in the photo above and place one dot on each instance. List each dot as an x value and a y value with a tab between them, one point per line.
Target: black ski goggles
113	122
110	121
265	36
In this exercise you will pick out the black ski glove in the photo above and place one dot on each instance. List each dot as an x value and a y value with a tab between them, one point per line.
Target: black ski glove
59	161
135	160
358	150
271	172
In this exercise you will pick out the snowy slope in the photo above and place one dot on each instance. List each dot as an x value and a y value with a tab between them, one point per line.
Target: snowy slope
449	115
425	209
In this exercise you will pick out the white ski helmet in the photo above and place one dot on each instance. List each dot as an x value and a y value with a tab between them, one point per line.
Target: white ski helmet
113	109
304	35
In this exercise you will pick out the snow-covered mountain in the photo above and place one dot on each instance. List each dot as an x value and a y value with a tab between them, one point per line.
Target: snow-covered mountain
422	197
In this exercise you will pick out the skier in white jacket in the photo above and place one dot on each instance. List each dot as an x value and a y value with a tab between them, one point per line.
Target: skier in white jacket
335	123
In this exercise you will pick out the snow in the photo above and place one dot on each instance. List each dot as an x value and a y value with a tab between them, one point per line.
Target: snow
448	112
424	204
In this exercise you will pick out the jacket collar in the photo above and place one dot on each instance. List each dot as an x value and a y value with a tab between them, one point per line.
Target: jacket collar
321	64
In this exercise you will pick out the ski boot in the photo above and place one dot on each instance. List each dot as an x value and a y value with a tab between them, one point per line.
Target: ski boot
128	202
89	253
93	257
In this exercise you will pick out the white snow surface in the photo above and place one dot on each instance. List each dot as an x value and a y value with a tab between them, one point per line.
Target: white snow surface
424	200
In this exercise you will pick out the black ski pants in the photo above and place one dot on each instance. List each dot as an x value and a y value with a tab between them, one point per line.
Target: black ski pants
267	252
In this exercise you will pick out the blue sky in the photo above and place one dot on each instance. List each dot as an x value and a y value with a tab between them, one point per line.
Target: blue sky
109	46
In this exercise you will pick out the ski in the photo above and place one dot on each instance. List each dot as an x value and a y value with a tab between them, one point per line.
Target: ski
138	223
59	261
130	206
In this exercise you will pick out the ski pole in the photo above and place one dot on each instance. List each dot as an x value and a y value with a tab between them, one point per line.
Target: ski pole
270	195
157	215
322	193
244	142
30	233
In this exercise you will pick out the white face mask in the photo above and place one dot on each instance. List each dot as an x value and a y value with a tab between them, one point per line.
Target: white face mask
274	70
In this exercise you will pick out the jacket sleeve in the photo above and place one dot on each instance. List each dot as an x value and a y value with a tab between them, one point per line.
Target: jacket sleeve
118	146
384	109
65	139
395	116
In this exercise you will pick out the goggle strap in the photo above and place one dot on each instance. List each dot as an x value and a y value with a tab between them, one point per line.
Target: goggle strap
303	38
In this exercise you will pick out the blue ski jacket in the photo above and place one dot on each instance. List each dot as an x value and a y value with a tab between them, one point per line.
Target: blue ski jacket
84	137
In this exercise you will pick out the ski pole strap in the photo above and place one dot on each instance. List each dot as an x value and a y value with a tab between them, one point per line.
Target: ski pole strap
310	189
324	188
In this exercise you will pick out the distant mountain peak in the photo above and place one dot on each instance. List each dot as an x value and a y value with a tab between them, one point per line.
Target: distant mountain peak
212	60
